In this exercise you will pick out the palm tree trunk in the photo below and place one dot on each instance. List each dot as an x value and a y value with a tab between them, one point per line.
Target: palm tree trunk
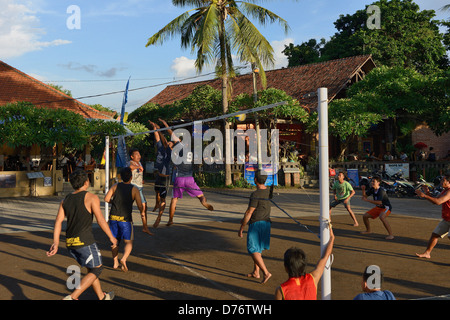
223	62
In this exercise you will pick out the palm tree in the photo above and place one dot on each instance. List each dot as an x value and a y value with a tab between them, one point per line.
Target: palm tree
218	28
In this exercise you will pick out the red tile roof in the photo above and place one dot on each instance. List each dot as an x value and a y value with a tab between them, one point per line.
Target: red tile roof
336	75
17	86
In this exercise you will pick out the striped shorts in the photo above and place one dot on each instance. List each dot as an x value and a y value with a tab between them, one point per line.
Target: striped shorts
88	256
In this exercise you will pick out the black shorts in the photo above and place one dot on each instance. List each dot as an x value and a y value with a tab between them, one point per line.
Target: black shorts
161	184
334	203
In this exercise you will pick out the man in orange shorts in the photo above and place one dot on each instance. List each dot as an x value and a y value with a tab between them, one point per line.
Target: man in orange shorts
383	206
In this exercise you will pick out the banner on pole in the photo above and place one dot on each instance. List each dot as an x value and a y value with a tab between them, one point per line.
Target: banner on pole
122	155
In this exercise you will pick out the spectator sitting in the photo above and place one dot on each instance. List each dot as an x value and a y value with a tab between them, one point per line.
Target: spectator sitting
388	156
403	156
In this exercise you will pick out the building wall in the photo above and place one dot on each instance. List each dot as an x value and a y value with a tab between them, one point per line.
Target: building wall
441	144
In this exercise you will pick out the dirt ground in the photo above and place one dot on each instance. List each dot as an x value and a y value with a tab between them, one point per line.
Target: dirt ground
207	260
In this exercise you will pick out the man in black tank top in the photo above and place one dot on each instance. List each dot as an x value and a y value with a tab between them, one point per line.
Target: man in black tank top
79	208
121	196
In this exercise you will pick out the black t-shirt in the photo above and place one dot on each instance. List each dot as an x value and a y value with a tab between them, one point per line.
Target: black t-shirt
163	158
79	221
122	203
380	195
260	201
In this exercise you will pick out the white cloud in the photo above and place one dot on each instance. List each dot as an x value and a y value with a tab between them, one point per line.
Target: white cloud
278	47
183	67
20	32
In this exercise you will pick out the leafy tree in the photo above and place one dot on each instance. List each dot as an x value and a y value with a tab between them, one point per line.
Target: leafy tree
403	95
24	125
307	52
216	29
408	37
60	88
292	110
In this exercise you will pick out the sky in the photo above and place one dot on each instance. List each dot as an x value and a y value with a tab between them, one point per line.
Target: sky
93	47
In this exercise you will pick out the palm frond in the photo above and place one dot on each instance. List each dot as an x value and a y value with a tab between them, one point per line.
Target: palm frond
262	15
170	30
205	37
193	3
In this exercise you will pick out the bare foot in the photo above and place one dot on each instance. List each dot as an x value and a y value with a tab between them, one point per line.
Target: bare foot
266	278
356	224
424	255
145	230
123	266
116	264
253	275
389	237
169	223
157	221
208	206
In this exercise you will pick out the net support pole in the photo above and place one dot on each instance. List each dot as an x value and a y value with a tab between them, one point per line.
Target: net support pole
324	188
106	175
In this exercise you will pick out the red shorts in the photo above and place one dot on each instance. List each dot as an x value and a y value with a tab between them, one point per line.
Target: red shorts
375	212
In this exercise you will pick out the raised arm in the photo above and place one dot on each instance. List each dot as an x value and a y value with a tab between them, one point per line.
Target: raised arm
173	137
318	271
438	200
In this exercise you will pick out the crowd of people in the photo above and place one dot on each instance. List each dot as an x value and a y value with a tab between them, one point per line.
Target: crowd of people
80	206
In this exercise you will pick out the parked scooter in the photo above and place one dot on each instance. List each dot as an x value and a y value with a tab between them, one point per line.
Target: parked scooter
387	185
433	188
403	186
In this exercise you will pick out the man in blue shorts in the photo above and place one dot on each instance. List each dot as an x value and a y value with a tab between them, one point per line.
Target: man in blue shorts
257	217
79	207
121	196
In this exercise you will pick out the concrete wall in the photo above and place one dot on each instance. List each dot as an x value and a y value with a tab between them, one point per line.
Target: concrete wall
24	187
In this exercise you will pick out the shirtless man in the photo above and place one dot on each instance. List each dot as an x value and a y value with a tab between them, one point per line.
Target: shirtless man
443	227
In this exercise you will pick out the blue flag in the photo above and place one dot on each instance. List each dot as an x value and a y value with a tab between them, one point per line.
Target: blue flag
124	102
122	157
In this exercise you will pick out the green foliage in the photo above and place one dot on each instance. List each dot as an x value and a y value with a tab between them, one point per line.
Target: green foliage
22	124
204	102
408	38
406	95
292	110
307	52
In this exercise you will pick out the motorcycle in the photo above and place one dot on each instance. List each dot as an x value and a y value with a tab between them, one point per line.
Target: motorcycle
434	188
403	186
387	185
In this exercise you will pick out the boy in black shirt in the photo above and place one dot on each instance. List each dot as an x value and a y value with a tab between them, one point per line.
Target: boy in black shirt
79	207
121	196
383	206
257	217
